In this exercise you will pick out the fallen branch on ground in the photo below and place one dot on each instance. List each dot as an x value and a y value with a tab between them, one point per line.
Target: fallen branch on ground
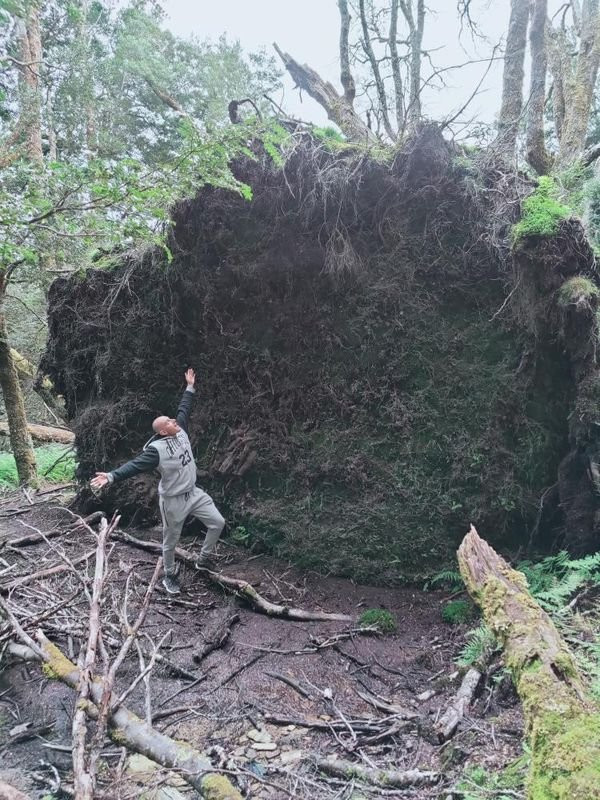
448	722
125	728
377	777
217	636
239	587
562	723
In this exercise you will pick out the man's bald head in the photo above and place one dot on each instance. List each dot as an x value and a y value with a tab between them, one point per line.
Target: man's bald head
165	426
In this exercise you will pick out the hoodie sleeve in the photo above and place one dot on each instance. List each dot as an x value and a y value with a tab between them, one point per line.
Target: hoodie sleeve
185	408
145	462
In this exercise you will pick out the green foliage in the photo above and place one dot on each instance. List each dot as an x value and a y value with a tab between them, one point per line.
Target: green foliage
328	135
541	212
480	644
458	611
55	463
554	580
450	579
478	783
378	618
240	535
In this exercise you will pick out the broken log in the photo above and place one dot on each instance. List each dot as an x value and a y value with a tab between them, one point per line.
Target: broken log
128	730
562	722
448	722
384	778
239	587
44	433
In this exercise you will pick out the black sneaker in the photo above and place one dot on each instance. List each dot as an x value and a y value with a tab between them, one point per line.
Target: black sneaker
171	584
205	562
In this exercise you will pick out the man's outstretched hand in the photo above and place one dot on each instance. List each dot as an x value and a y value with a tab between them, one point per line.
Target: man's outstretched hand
190	377
99	480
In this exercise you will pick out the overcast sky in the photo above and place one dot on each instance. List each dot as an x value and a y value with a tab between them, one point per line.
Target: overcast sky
309	31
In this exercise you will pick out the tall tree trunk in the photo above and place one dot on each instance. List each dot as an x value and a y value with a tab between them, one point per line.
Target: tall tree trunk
20	440
396	74
560	68
537	155
416	28
579	100
346	74
379	85
30	46
512	84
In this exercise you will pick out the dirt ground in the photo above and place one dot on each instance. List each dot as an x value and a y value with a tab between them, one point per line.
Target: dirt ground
239	711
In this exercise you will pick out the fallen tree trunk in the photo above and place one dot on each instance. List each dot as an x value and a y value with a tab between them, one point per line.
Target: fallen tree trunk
562	723
43	433
239	587
128	730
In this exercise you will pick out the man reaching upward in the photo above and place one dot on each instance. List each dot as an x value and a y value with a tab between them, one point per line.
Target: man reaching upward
170	452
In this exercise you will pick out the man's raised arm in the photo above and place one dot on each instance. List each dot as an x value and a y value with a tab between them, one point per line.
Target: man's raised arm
185	405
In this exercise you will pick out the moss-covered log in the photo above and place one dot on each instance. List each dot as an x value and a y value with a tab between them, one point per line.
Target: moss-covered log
562	723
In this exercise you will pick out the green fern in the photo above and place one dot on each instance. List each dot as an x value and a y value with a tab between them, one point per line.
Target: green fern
480	644
556	579
448	578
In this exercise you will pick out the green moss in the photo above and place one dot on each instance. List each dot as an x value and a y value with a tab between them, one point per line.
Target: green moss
566	758
458	611
575	289
542	212
218	787
378	618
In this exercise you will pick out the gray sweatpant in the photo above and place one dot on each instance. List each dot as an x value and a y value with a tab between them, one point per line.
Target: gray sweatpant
174	512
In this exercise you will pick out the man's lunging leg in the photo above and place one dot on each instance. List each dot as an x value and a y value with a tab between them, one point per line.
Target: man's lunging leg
206	511
172	511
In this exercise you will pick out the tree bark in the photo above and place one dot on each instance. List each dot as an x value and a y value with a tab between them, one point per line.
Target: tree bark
537	155
43	433
338	108
579	100
396	74
416	28
562	724
512	84
376	777
379	85
42	385
30	47
560	68
20	440
346	74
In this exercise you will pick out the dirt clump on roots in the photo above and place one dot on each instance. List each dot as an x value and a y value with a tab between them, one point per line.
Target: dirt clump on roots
370	376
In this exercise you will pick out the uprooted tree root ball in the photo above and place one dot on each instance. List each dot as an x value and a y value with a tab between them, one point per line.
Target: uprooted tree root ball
374	365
